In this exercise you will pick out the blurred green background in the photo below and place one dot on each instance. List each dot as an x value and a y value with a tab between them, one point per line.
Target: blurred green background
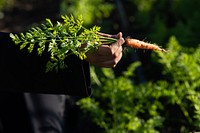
147	92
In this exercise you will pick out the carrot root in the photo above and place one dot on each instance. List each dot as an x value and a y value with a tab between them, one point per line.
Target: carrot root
134	43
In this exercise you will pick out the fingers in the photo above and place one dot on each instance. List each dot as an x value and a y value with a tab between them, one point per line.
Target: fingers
106	50
111	49
107	55
117	36
108	63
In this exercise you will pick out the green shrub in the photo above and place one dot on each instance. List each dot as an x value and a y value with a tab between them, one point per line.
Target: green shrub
170	104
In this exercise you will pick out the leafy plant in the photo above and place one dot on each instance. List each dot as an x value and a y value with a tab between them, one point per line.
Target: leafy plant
170	104
61	40
182	80
92	11
120	107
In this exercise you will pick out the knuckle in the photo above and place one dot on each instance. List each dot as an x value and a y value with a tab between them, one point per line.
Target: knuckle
112	51
115	62
114	55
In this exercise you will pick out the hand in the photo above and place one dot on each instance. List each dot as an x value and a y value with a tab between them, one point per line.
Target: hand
107	55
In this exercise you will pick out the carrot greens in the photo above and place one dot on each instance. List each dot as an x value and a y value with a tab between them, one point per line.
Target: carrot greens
61	40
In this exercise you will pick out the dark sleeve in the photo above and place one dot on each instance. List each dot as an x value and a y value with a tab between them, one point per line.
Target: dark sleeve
24	72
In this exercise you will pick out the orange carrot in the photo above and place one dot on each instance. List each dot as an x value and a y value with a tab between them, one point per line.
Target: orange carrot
134	43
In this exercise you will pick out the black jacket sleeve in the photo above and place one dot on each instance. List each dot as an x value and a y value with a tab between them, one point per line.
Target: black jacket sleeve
21	71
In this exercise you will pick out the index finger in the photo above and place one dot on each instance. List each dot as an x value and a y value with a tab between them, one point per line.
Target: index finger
117	44
117	36
110	49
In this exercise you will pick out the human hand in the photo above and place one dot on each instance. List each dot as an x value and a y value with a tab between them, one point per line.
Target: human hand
107	55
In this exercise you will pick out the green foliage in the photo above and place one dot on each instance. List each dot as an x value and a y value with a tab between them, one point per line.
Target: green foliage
144	5
61	40
91	10
159	19
167	105
117	106
4	4
181	70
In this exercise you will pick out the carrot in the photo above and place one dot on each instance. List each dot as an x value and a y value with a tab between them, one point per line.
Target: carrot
134	43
